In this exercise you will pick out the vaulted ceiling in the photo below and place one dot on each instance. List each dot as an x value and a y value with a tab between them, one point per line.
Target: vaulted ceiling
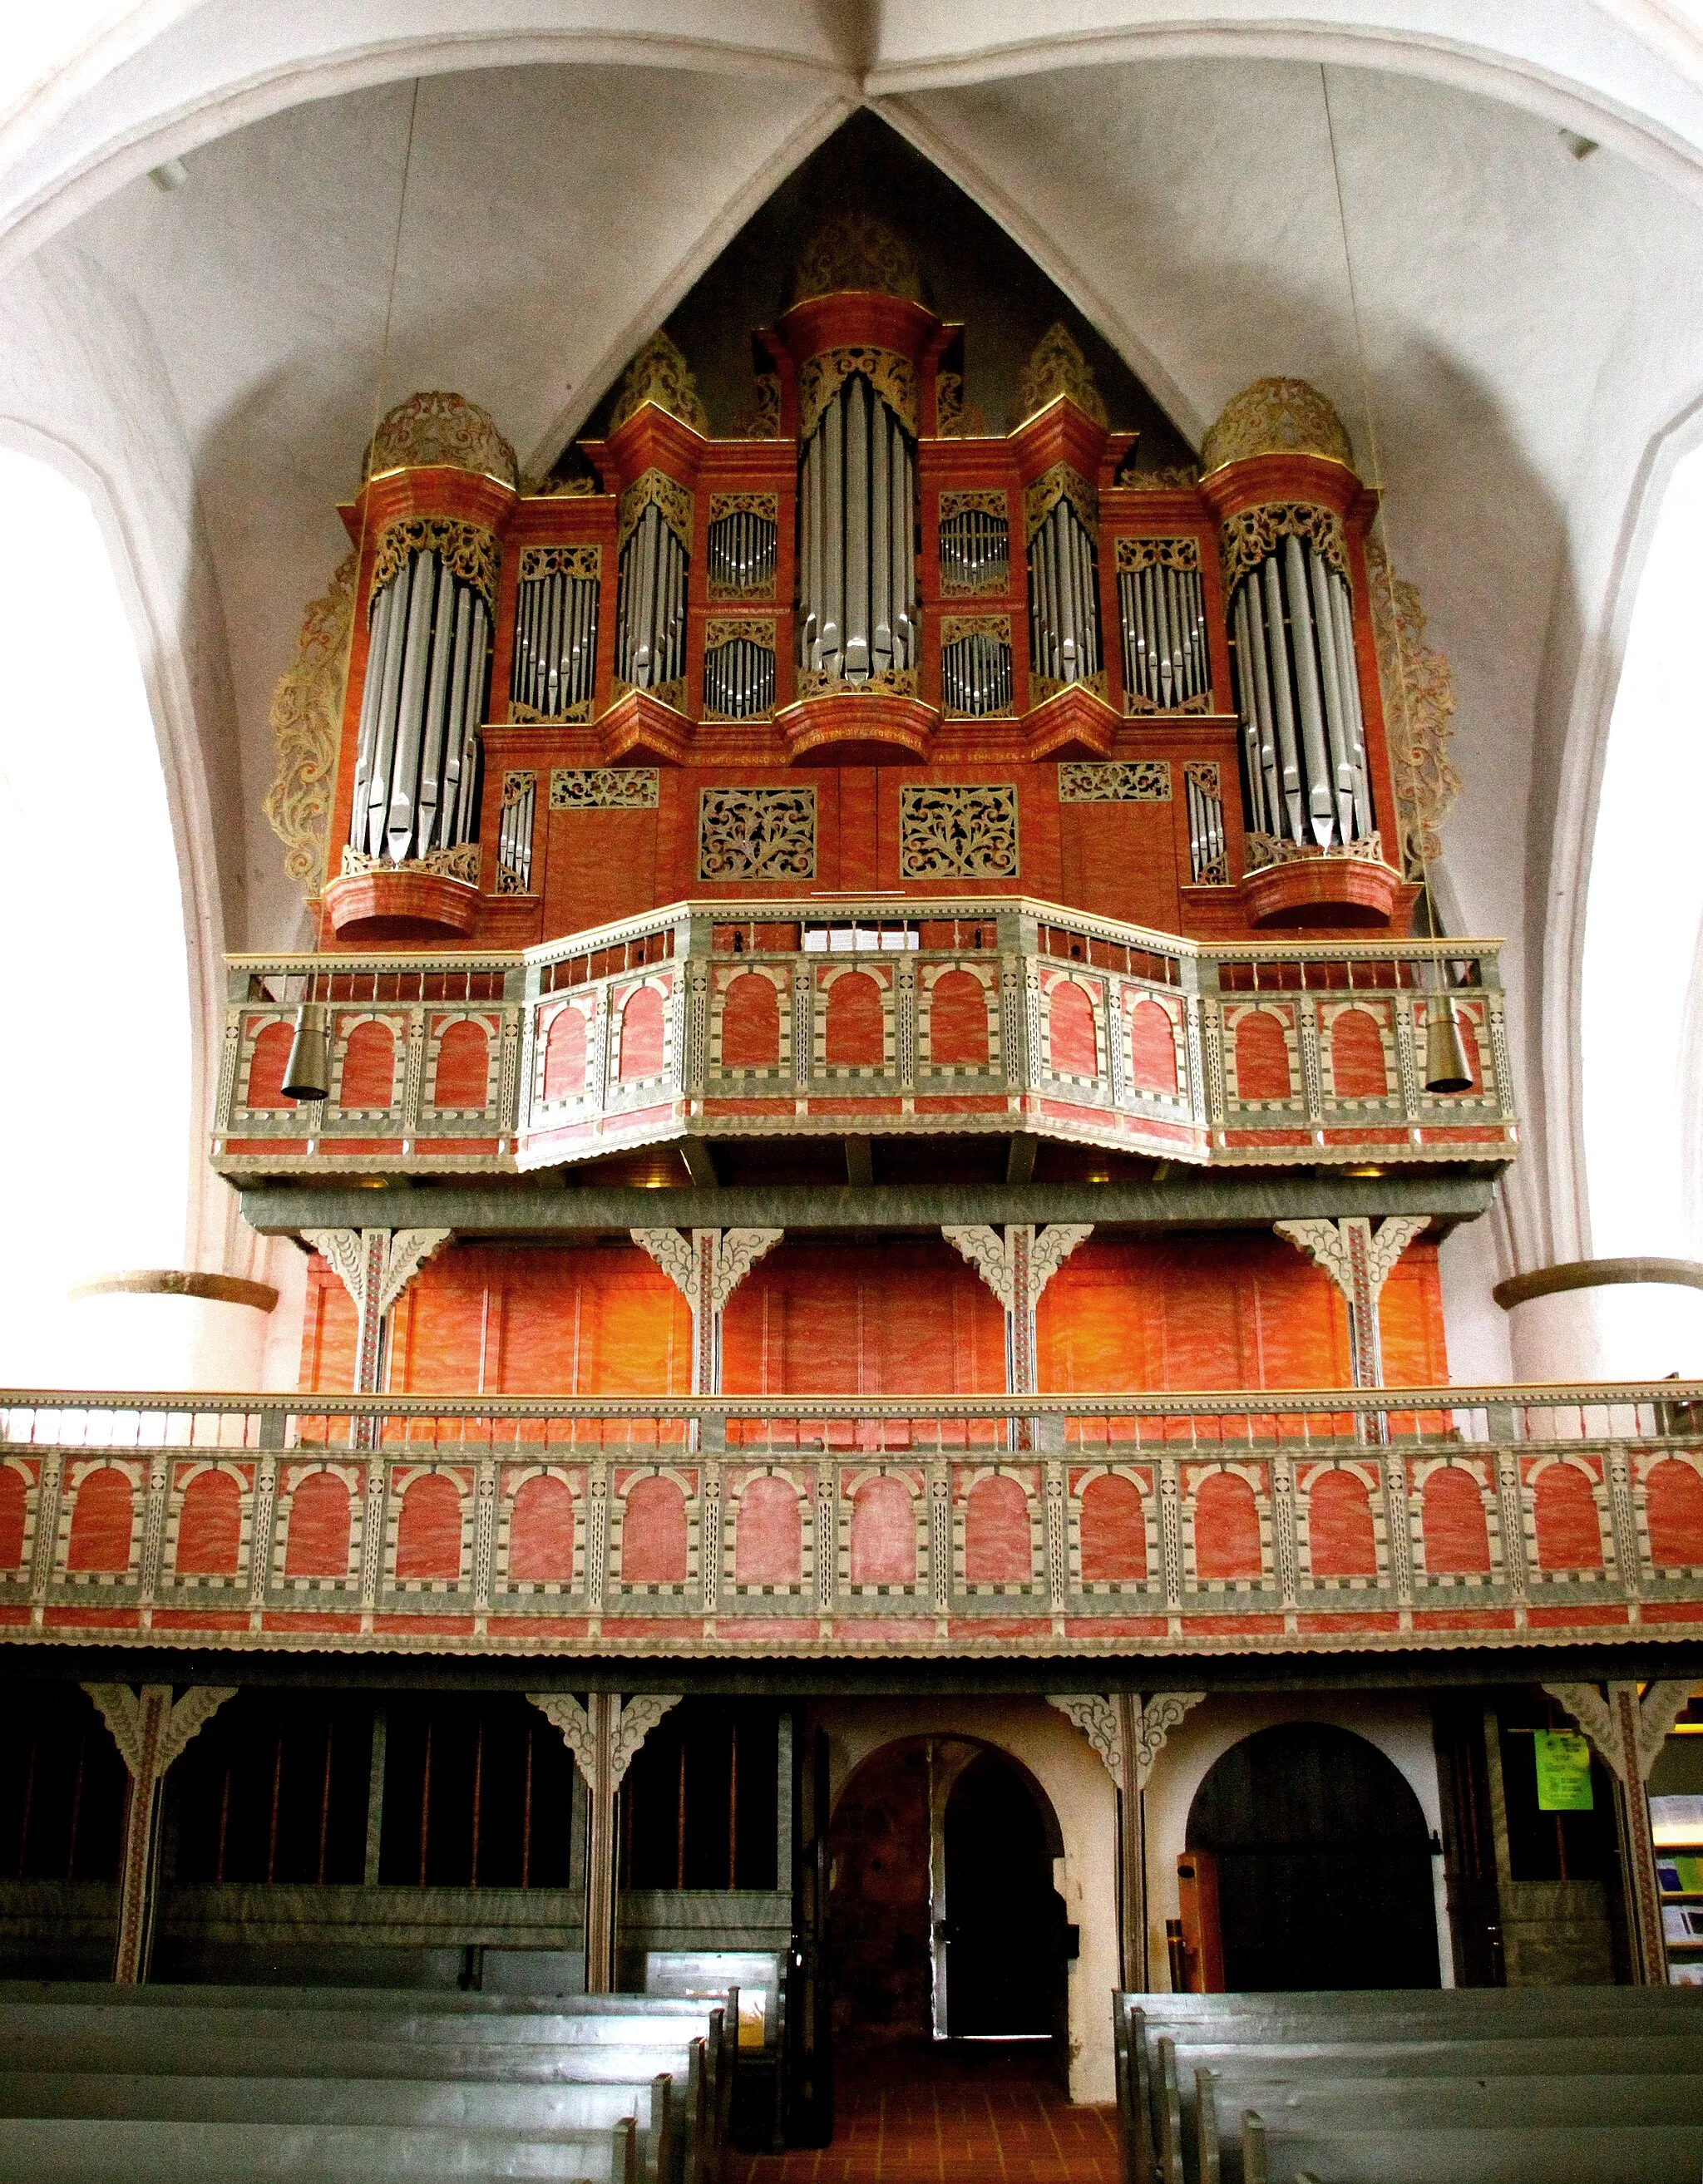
1512	332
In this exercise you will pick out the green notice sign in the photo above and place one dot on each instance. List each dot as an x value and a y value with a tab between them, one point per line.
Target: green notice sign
1564	1771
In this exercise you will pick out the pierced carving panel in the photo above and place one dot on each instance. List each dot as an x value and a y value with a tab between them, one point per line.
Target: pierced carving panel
604	788
757	833
958	832
579	561
1159	553
1137	781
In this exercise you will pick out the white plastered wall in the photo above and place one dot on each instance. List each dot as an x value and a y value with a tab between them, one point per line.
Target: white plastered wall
1398	1724
1084	1801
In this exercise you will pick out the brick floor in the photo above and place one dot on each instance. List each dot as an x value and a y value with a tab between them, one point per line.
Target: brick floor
950	2114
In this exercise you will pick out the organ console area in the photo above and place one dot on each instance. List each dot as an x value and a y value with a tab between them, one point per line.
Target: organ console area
870	646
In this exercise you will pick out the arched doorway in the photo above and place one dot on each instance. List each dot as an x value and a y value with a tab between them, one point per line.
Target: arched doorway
1324	1864
943	1923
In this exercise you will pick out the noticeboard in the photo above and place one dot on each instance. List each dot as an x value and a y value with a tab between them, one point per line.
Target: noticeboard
1564	1771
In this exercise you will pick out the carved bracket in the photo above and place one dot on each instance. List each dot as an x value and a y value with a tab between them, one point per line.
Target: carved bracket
1359	1262
706	1270
1116	1727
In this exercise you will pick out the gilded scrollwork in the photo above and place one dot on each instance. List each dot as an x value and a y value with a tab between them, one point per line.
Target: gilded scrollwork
856	251
885	683
670	498
892	376
584	562
732	629
460	863
757	833
1249	539
1158	554
660	375
760	418
1263	850
605	788
1276	416
1057	366
960	832
1058	483
468	550
955	628
1132	781
1419	705
306	713
439	428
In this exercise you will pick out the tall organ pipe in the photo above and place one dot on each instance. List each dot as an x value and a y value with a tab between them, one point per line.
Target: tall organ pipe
857	581
1064	597
416	760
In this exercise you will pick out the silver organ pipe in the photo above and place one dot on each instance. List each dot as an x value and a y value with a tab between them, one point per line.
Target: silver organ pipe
1166	659
739	679
650	604
1208	864
976	675
555	644
514	833
416	764
1064	604
975	551
1303	733
740	549
857	575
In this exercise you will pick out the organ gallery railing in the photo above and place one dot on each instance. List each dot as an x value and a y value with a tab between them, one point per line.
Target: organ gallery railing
808	1524
808	1015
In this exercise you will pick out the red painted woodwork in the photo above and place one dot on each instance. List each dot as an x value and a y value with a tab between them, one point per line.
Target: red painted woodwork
267	1064
1341	1540
768	1532
464	1066
209	1526
541	1533
1113	1531
1152	1048
14	1500
428	1529
1673	1507
750	1023
883	1533
1569	1535
369	909
653	1532
1357	1067
1410	1322
369	1065
855	1027
958	1022
1314	893
564	1055
101	1519
1262	1057
316	1540
1227	1528
641	1034
1453	1524
996	1545
1072	1049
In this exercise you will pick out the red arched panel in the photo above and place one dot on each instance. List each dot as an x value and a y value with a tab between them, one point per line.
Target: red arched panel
958	1022
768	1534
996	1545
641	1035
14	1497
1262	1058
1358	1068
1673	1506
267	1064
1227	1527
1113	1531
209	1526
101	1522
854	1029
428	1531
541	1533
883	1533
1339	1526
316	1544
564	1055
1072	1049
1152	1048
750	1023
1457	1538
368	1067
653	1534
464	1066
1569	1536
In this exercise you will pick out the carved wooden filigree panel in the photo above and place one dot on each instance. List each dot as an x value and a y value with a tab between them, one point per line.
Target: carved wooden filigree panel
960	832
604	788
757	833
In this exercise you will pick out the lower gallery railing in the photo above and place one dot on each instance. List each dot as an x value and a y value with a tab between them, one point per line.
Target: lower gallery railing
819	1524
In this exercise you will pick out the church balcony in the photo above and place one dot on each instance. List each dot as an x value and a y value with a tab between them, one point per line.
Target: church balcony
889	1017
817	1525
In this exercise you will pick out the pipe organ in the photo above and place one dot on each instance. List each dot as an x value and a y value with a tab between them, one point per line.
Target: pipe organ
714	640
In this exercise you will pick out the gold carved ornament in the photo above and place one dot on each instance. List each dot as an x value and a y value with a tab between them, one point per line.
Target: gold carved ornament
853	252
1251	537
1061	482
1419	707
439	429
956	628
733	629
1277	417
1057	366
460	862
892	376
583	563
760	418
468	550
660	375
883	682
656	488
1158	554
1181	477
306	715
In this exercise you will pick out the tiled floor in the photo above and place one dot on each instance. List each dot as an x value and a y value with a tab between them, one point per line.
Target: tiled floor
950	2114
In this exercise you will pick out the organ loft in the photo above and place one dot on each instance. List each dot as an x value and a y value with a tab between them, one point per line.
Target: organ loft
870	1111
